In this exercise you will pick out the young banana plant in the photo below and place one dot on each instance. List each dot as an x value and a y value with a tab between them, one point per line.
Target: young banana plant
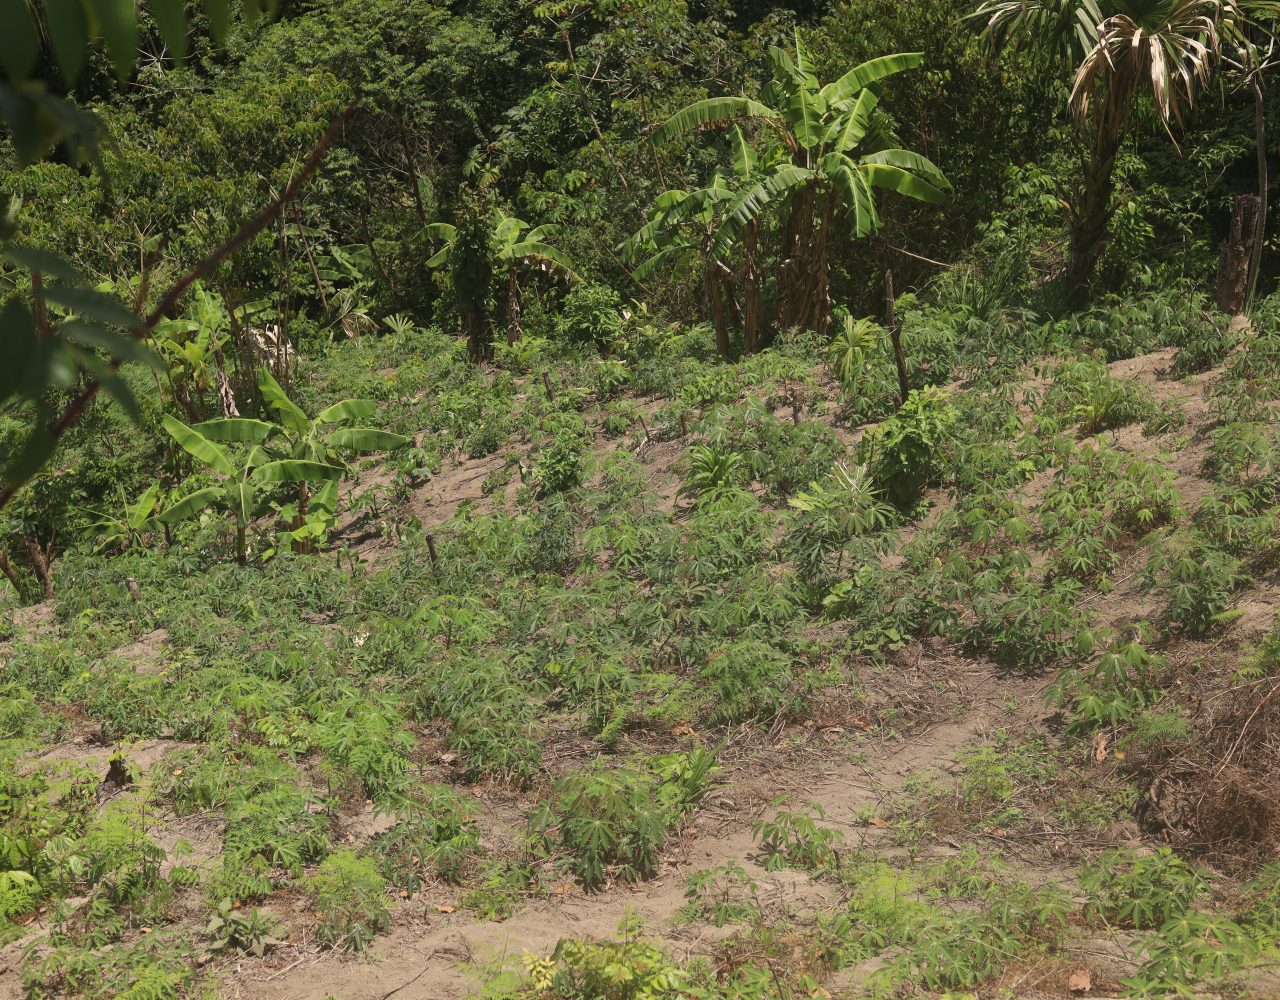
237	493
125	529
512	243
682	228
329	434
299	449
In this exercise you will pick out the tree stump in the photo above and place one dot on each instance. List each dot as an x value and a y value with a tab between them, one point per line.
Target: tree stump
1235	254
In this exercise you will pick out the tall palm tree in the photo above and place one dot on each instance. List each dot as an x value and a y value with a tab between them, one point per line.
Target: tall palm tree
1119	50
1252	46
826	157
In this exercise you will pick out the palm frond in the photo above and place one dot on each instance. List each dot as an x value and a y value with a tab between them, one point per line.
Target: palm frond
712	110
751	204
868	73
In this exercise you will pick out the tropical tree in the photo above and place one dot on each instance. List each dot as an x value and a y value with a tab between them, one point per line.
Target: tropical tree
236	494
43	45
682	228
1251	53
827	154
512	243
299	449
1117	50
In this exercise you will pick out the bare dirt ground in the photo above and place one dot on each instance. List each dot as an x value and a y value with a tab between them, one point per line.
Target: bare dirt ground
432	955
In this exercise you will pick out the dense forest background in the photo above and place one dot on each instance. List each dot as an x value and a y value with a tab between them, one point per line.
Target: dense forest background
548	112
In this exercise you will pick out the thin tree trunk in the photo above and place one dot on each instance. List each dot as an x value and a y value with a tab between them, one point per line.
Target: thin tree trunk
315	271
412	165
818	310
586	105
40	560
1260	232
304	499
1236	254
513	307
475	320
796	259
282	353
9	573
751	278
895	337
715	306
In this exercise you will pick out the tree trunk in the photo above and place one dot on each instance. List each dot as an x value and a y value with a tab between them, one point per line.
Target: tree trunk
10	574
818	313
794	273
895	337
241	554
751	279
513	307
304	499
715	306
40	563
476	323
1092	214
1260	229
1236	255
412	165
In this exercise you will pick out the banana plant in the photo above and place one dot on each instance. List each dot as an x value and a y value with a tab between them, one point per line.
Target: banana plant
682	227
237	493
126	528
512	243
318	442
328	435
829	152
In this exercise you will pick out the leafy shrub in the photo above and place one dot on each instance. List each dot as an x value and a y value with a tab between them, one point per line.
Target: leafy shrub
904	452
351	898
1245	454
629	969
856	342
1143	891
832	513
795	838
712	469
559	466
750	680
1199	582
1085	391
724	895
438	833
591	314
1189	949
246	932
1115	691
614	821
1204	345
